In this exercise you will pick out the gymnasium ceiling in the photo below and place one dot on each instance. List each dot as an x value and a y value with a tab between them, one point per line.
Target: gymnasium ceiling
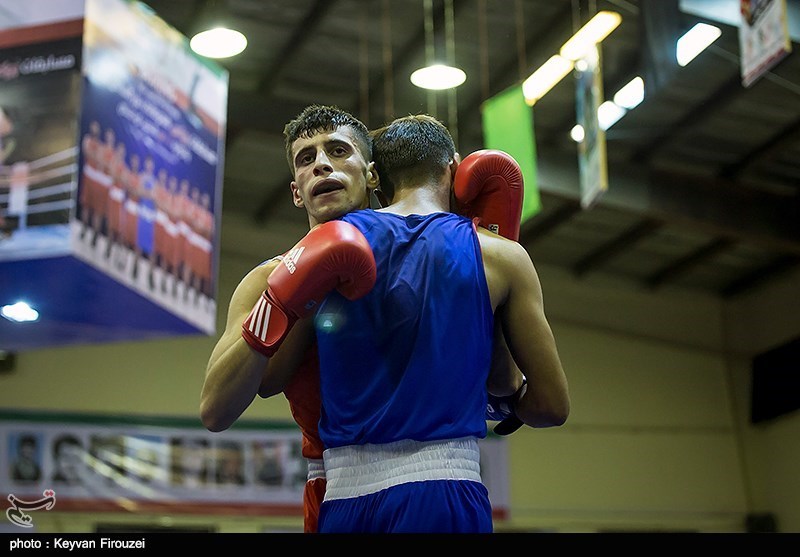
704	175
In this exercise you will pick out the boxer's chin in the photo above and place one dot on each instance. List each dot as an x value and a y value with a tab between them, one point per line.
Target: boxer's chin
334	209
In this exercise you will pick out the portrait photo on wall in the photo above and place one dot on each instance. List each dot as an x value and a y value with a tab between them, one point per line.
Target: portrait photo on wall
25	458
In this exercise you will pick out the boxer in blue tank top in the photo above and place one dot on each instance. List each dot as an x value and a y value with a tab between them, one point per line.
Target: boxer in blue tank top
398	391
404	369
420	385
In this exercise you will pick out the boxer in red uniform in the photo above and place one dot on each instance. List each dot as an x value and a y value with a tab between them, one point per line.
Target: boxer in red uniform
344	179
329	137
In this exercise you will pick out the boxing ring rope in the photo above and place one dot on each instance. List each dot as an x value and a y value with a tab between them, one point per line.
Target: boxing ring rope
24	193
66	154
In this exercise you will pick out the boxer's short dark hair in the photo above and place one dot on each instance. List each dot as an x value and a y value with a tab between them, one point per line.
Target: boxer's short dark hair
315	119
411	148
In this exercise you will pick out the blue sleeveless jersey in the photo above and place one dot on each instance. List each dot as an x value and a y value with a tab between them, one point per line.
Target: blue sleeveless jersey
410	359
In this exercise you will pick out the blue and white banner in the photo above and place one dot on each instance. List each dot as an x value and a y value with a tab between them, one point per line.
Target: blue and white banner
152	134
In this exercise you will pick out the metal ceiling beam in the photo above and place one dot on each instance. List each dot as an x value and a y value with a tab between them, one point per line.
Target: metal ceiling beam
688	262
751	280
248	110
542	224
607	251
301	32
763	152
713	102
710	206
725	209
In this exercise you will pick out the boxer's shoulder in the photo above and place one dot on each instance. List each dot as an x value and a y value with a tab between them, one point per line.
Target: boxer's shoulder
499	250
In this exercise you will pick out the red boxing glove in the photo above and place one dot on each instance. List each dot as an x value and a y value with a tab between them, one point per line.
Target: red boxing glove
332	256
488	186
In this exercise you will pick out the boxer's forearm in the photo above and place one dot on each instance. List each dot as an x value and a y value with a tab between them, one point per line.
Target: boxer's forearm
232	381
546	402
505	378
286	361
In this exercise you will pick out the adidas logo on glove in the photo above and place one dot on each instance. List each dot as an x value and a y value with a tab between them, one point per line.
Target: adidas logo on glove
291	259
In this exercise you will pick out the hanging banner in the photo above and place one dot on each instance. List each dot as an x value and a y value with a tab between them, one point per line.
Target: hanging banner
508	127
112	135
592	150
763	37
152	140
93	463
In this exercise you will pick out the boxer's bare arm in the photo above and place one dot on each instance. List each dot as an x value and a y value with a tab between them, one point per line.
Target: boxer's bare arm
505	378
287	360
516	295
234	370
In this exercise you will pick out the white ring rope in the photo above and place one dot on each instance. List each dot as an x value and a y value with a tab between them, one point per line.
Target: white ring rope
55	157
20	187
66	187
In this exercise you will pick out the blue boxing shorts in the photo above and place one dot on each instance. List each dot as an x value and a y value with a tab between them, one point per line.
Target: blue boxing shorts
405	487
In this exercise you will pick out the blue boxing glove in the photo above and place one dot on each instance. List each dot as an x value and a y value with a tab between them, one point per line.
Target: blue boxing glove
501	409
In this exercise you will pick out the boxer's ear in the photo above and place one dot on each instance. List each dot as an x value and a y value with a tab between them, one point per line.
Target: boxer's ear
454	166
373	179
296	198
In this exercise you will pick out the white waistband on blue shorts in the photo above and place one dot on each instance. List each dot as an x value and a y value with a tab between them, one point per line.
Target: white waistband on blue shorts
316	468
357	470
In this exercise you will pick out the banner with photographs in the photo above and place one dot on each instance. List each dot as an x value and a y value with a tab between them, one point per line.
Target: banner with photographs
98	463
152	134
111	160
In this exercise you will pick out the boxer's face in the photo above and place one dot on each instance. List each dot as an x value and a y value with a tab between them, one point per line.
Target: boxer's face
331	175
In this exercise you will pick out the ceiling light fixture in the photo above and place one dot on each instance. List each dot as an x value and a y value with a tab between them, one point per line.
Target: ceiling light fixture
695	41
595	30
545	78
571	55
214	33
631	95
219	42
609	114
438	77
20	312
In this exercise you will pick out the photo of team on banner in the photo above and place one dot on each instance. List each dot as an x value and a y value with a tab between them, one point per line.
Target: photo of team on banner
153	228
